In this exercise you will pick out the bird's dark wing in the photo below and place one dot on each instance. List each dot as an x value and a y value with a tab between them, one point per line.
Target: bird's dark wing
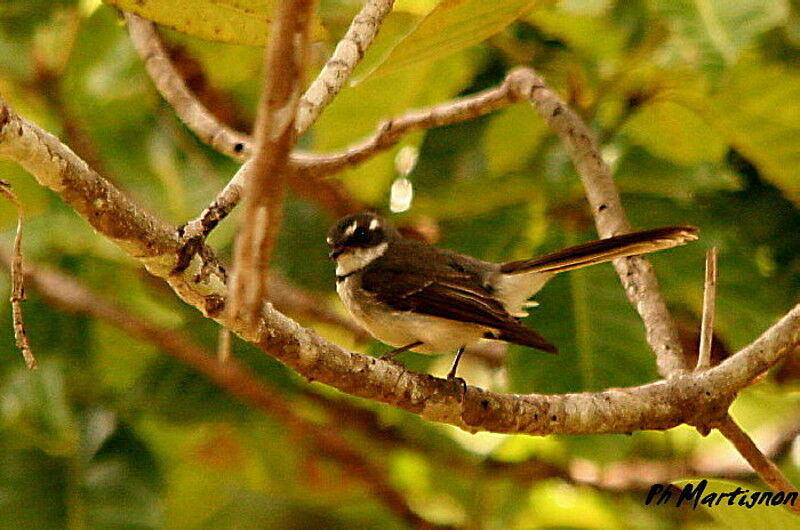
448	291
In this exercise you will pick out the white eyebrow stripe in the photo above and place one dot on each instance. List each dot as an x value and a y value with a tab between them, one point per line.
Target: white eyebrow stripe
374	224
329	240
350	229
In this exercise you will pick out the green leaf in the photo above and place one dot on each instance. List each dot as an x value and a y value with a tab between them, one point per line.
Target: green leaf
714	32
592	36
757	517
672	131
638	171
757	109
452	26
511	137
234	21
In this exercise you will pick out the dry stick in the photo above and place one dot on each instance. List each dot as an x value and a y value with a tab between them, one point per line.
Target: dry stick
766	469
762	465
707	321
690	397
17	283
635	273
232	377
284	64
341	64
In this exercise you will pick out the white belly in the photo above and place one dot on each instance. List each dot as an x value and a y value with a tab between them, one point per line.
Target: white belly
400	328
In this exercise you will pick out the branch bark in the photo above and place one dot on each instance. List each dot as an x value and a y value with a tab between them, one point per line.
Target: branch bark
265	173
685	398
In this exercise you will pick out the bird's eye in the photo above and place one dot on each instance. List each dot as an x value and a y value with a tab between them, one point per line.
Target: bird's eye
360	235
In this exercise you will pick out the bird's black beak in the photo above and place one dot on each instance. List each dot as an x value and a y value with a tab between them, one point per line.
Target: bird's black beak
336	252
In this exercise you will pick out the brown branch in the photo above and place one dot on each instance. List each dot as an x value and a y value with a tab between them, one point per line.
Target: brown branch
17	283
265	174
635	273
685	398
389	132
232	377
341	64
765	468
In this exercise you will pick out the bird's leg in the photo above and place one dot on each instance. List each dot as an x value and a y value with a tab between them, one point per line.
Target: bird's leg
452	373
391	354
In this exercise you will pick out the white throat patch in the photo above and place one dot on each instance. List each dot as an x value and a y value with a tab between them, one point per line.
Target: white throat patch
358	258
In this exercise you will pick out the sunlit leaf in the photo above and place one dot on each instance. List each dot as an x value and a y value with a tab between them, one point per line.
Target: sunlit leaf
452	26
757	109
235	21
510	138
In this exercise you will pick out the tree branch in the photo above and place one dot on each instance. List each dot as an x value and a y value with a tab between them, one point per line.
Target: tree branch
17	282
636	274
265	173
170	84
686	398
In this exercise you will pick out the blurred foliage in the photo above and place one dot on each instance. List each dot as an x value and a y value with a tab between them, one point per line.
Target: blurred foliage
697	105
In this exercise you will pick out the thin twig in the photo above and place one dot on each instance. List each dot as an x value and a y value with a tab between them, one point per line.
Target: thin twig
341	64
765	468
330	194
709	301
265	174
171	85
635	273
17	283
389	132
232	377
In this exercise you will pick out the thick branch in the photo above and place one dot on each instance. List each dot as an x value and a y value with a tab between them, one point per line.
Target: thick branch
265	173
692	398
636	274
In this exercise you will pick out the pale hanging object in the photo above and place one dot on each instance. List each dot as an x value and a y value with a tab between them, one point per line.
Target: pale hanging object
402	192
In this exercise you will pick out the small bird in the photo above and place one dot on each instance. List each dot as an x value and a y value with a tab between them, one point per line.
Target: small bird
414	296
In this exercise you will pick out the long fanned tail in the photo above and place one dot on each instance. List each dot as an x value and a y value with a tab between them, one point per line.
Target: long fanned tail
604	250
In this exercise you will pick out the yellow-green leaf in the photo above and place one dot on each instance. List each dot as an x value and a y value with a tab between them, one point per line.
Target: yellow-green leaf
757	109
234	21
452	26
672	131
